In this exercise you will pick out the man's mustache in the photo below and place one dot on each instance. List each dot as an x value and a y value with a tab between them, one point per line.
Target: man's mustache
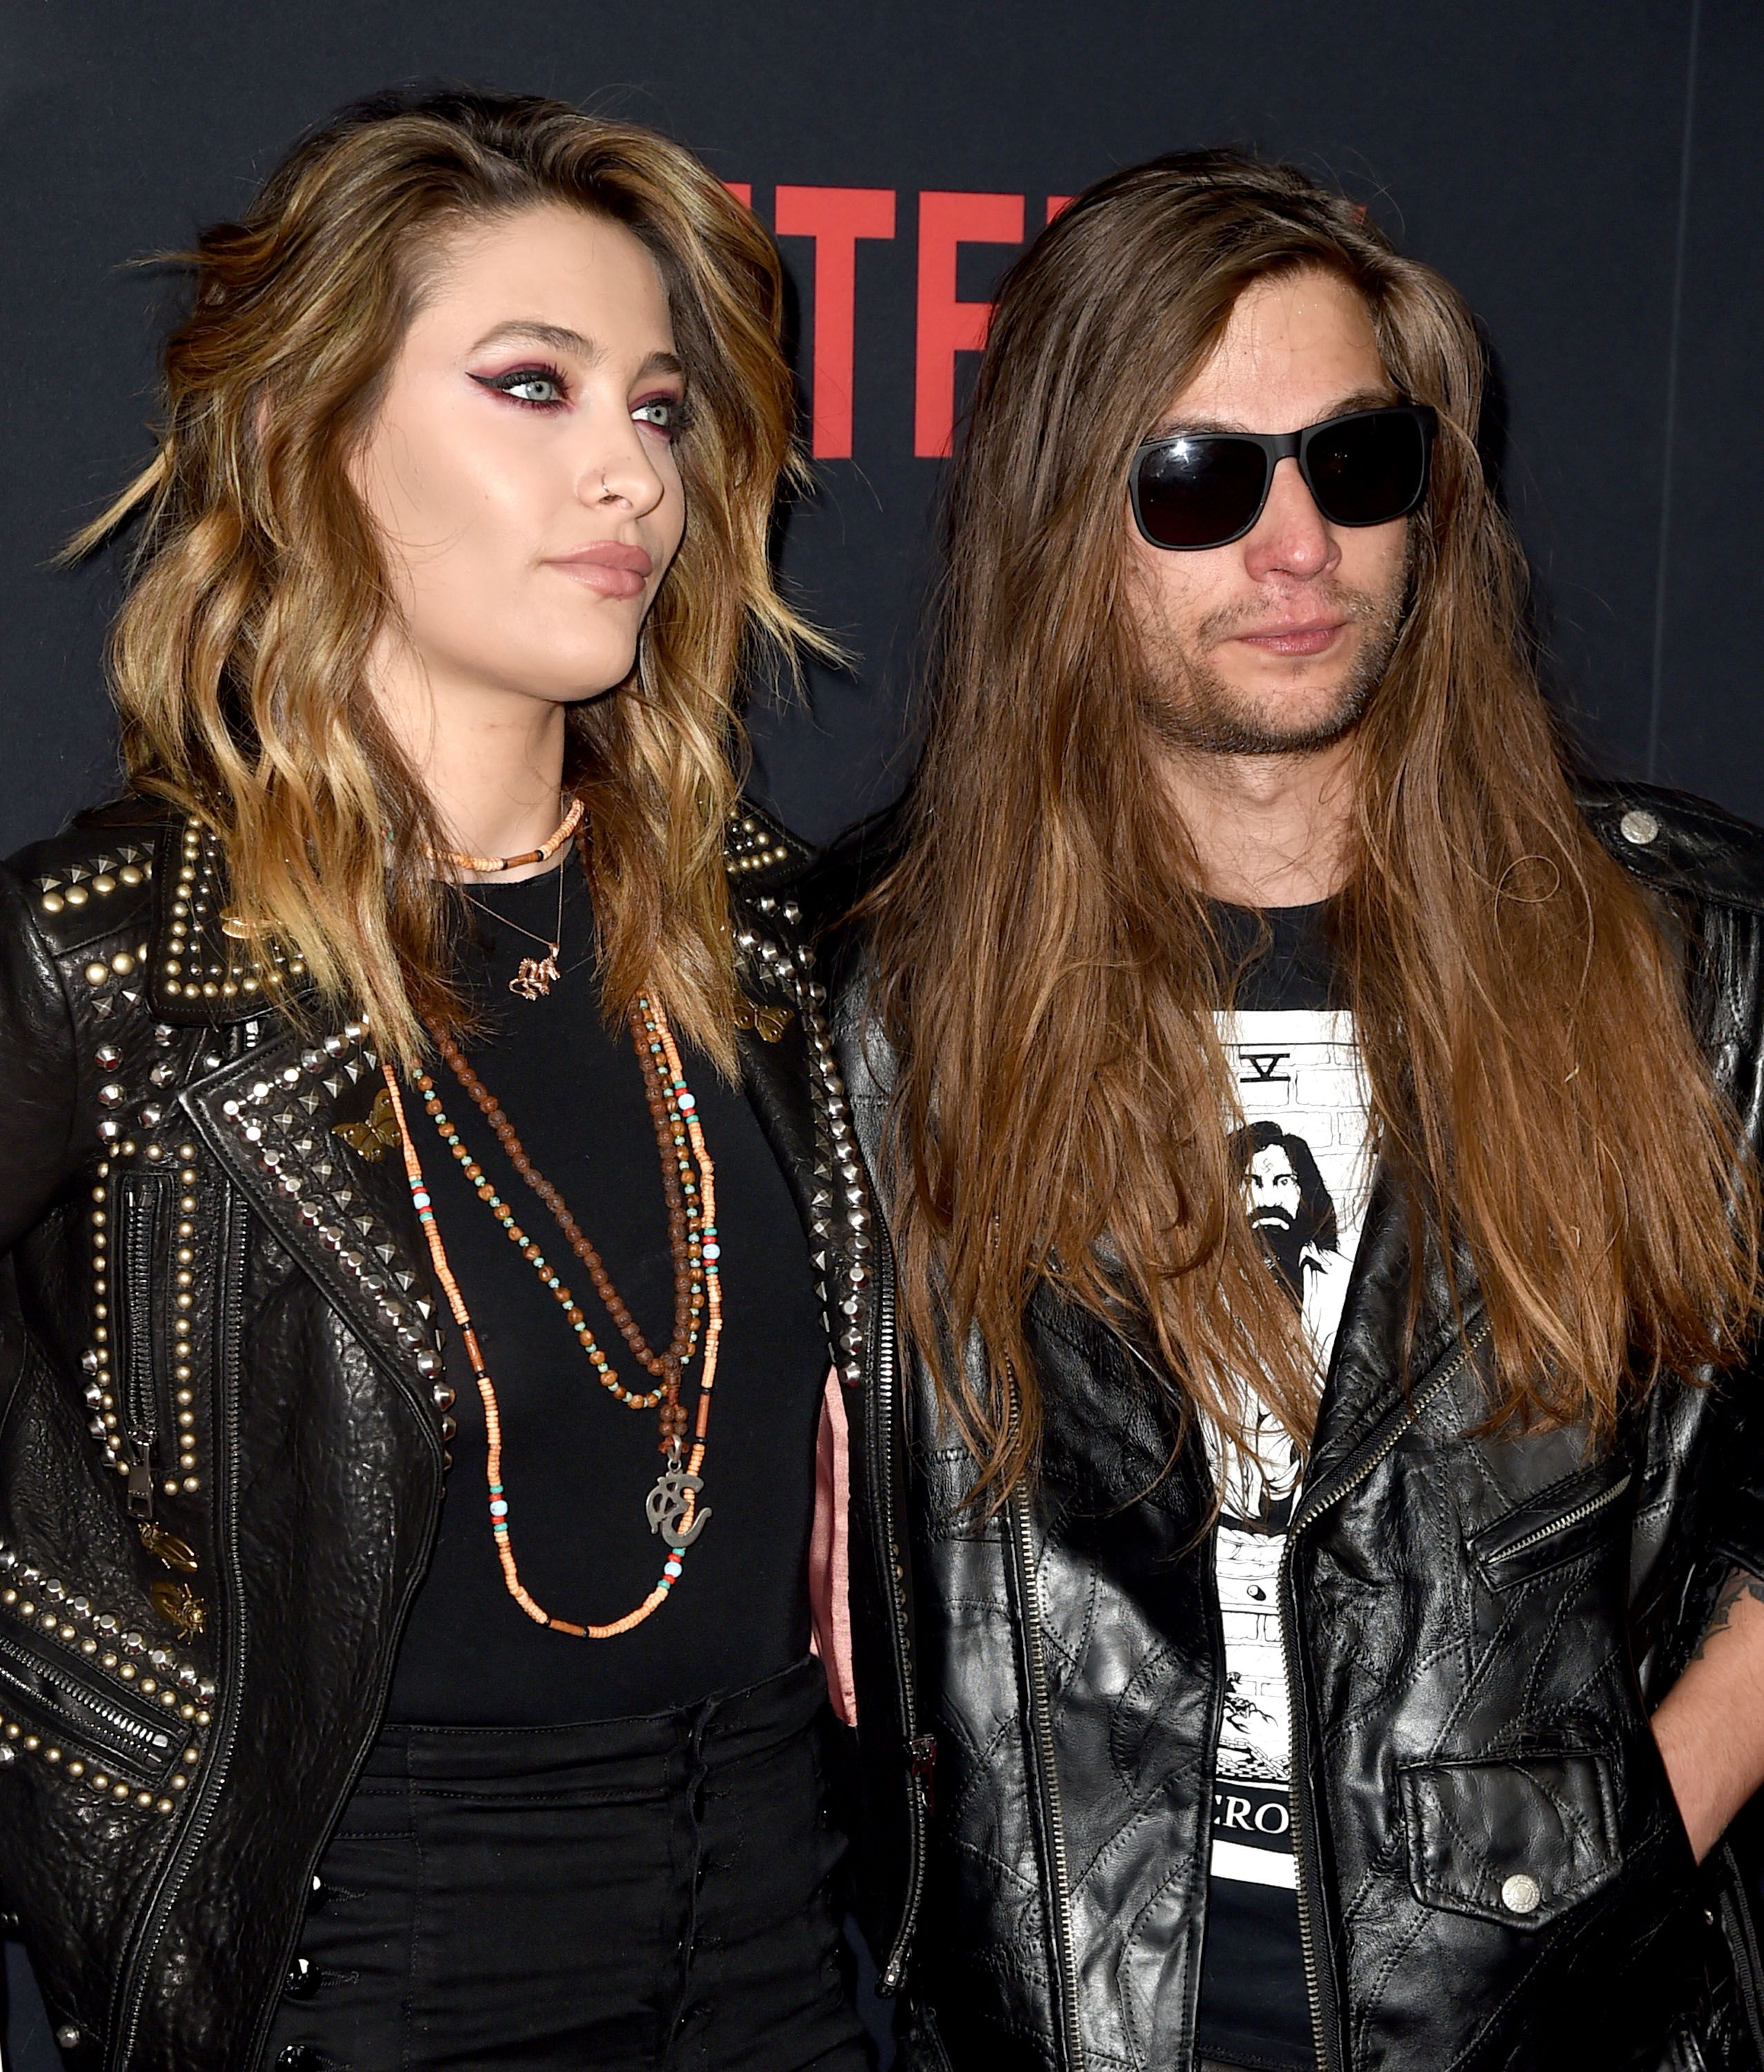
1281	1219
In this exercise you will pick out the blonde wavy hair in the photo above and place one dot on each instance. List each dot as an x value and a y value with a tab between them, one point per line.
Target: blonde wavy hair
238	660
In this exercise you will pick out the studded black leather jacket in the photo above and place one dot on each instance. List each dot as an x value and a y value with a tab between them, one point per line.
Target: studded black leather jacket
1493	1877
223	1418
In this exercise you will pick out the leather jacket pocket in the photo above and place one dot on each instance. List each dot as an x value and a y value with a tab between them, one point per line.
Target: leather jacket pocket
93	1729
1558	1525
1517	1841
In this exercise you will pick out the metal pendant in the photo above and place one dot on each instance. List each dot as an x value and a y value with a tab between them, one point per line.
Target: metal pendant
376	1135
675	1494
179	1606
537	975
174	1553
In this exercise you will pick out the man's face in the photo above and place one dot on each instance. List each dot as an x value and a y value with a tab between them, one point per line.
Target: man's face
1274	644
1273	1190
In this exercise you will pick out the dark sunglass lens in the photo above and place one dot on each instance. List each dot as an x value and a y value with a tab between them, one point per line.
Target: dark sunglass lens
1201	491
1367	471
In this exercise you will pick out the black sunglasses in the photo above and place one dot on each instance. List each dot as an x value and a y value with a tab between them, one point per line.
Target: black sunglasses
1206	489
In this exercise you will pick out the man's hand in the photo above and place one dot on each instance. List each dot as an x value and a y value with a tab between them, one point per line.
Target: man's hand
1710	1726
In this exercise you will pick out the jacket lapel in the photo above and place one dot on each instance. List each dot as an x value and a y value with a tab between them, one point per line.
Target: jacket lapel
790	1073
1373	1375
301	1125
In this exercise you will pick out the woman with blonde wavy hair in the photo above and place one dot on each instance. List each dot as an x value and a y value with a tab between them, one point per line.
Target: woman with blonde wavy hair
417	1170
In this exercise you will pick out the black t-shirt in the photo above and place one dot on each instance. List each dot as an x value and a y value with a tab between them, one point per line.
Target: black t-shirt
577	1465
1254	2009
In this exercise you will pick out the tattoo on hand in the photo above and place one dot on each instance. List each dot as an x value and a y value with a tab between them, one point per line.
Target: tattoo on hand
1741	1583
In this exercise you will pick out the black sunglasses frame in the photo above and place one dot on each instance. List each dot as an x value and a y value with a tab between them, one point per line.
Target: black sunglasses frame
1277	446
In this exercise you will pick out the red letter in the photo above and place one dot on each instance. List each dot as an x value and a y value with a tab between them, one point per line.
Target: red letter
1057	205
836	218
945	326
743	191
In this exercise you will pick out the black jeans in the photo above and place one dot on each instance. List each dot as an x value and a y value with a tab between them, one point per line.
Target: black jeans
646	1895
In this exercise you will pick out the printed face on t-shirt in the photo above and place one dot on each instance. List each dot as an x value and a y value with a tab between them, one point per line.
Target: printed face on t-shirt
1273	1190
1288	1205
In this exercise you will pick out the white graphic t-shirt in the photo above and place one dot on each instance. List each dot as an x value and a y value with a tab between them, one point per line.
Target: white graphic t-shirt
1307	1172
1302	1153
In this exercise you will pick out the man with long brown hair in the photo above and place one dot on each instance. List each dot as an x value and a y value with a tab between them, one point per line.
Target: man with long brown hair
1319	1489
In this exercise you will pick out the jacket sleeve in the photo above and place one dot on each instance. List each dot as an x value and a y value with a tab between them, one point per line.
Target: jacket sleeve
1733	1495
38	1069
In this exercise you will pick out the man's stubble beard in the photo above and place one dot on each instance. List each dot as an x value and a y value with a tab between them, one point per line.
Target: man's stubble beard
1192	708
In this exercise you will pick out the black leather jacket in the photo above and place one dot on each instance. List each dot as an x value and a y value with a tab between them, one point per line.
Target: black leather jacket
1476	1630
223	1418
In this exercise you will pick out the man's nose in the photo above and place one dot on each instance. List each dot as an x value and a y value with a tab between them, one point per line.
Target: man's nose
1292	537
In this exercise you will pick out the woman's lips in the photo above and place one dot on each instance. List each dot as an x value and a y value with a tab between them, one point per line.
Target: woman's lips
608	567
1296	639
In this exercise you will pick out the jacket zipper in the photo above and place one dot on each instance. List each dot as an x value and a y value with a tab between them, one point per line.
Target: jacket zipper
141	1200
1042	1727
921	1748
1305	1860
143	1203
1592	1505
1737	1919
130	1737
136	1972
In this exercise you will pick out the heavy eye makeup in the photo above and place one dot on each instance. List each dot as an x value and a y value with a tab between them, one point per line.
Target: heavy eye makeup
668	414
531	388
547	388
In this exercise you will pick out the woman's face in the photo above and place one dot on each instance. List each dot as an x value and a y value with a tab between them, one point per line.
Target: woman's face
521	467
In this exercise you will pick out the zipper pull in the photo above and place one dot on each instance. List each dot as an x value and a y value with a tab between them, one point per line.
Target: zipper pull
922	1761
141	1474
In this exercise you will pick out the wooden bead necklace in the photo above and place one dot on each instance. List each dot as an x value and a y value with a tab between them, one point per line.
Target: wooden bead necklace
489	865
678	1185
671	1508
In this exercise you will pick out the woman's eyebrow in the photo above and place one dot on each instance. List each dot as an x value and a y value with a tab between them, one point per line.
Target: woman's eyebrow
560	338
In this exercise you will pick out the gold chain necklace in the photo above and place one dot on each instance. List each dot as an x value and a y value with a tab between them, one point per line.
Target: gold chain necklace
537	975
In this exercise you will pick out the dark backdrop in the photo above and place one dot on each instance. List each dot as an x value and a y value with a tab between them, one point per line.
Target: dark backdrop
1588	172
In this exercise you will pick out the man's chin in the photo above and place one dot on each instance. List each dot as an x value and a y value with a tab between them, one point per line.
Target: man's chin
1291	722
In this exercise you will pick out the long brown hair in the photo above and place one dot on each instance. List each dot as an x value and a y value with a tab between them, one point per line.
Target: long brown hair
1045	960
238	659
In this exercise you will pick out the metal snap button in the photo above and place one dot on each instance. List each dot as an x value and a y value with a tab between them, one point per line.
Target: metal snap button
1638	826
68	2037
1521	1893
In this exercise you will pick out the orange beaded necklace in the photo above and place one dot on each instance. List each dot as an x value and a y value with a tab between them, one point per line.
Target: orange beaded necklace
671	1508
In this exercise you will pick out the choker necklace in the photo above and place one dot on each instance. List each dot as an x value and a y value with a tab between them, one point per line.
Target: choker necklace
537	975
488	865
671	1508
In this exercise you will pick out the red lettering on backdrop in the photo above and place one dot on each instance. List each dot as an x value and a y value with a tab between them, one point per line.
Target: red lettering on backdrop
947	327
836	218
743	191
1057	205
